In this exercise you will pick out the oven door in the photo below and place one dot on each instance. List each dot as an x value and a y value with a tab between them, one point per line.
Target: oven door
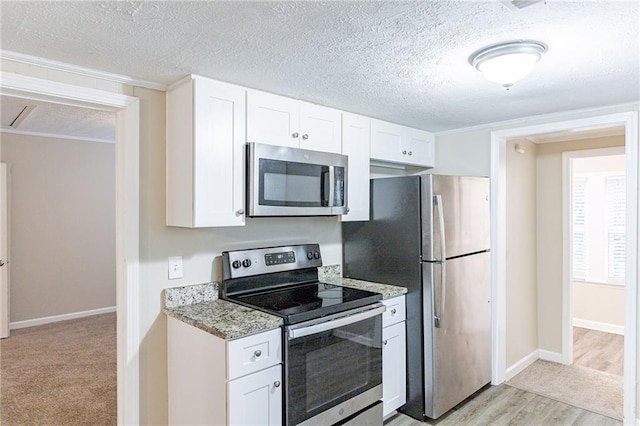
333	366
293	182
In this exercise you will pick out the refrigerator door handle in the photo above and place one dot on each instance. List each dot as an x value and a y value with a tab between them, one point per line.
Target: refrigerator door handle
439	315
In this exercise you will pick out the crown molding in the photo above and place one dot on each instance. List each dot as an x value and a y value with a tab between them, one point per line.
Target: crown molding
74	69
560	115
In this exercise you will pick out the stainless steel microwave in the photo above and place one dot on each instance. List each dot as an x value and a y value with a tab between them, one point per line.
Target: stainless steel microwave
284	181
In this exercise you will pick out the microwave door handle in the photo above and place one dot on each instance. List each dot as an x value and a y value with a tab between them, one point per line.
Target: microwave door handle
437	201
332	182
295	333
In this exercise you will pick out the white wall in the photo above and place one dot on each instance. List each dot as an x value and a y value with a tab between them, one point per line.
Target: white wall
62	211
521	274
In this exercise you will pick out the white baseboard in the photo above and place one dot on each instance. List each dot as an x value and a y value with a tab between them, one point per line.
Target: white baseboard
550	356
521	365
47	320
599	326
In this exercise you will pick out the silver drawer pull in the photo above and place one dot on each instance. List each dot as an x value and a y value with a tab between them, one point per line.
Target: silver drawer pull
305	136
384	342
257	353
294	134
393	311
276	384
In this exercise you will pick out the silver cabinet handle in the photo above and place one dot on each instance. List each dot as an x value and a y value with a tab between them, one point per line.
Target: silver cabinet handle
384	342
294	135
305	136
240	212
404	152
410	153
257	353
276	383
393	311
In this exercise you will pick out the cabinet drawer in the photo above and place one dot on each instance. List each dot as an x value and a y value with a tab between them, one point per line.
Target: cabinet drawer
252	353
395	311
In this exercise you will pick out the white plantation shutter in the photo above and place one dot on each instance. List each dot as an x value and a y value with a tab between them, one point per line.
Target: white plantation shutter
616	252
579	218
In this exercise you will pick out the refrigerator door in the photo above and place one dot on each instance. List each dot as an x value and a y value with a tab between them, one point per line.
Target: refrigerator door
461	205
458	352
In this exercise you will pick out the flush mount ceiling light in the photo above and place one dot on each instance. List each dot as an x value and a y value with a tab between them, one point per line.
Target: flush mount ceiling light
507	63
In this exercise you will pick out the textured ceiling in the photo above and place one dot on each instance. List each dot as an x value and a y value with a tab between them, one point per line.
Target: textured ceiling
405	62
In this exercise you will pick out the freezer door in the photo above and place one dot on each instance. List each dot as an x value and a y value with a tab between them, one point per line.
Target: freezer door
460	206
458	352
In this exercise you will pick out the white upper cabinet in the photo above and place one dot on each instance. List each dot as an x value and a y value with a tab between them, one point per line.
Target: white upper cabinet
272	119
320	128
205	153
277	120
355	144
393	143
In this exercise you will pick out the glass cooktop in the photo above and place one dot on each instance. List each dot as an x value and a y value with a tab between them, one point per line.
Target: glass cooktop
303	302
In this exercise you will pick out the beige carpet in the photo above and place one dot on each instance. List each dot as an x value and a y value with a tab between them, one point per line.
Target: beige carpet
581	387
60	374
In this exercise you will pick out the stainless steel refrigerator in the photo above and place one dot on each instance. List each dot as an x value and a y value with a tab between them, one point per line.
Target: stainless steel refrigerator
430	233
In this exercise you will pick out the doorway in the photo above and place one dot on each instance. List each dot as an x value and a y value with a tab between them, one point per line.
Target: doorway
127	216
499	143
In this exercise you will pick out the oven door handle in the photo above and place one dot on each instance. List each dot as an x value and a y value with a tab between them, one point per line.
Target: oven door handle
330	324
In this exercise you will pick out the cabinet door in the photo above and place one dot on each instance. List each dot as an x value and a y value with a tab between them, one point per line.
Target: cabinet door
386	141
205	153
418	146
219	154
272	119
355	144
394	366
256	399
320	128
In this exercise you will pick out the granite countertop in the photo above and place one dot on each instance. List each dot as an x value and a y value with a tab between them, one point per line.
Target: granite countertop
224	319
199	306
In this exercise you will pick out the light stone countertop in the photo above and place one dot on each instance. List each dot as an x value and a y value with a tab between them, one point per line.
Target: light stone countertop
224	319
199	306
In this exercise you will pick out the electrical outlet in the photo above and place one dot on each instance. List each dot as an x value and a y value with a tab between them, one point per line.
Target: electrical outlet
175	267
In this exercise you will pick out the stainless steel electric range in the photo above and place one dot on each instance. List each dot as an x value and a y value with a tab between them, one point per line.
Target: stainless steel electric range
332	334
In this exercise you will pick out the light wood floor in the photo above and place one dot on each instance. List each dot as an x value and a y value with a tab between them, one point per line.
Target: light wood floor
506	405
598	350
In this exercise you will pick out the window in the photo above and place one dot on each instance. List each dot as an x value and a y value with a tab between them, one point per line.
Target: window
598	222
579	228
615	189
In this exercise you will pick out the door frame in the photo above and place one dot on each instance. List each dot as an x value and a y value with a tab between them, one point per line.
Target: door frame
127	109
498	241
4	251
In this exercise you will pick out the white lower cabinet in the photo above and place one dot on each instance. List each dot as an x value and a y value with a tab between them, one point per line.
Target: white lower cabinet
212	381
394	353
256	399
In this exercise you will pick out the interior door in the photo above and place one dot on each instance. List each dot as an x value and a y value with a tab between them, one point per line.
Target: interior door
4	252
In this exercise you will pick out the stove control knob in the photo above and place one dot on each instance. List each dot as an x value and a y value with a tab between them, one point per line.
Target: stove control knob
246	263
316	255
236	264
309	255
